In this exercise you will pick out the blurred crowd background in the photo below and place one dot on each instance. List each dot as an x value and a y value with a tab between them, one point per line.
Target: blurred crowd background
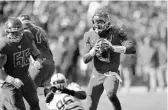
66	22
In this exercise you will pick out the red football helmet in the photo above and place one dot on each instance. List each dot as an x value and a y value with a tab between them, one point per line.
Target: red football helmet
101	21
14	29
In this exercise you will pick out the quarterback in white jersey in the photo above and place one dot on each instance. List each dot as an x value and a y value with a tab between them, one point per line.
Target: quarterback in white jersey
61	96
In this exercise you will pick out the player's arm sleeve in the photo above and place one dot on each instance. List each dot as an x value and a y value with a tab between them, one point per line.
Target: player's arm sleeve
3	59
75	90
87	57
35	51
127	44
78	94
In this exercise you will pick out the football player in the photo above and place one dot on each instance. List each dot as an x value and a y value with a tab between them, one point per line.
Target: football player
63	96
15	81
40	76
103	45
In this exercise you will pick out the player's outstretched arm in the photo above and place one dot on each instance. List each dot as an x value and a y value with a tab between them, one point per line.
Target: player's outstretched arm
35	52
49	93
36	56
75	90
78	94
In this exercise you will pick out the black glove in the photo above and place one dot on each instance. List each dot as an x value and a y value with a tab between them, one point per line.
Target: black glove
69	92
49	93
53	89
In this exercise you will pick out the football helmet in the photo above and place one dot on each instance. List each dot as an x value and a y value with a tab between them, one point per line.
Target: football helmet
58	79
14	29
26	21
101	21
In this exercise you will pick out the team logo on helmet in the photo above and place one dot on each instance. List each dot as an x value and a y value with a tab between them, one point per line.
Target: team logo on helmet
14	29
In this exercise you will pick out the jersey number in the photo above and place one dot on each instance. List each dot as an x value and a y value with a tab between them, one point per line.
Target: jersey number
21	58
61	103
38	35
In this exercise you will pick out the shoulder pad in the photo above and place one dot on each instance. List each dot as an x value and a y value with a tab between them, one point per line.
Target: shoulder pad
119	31
89	33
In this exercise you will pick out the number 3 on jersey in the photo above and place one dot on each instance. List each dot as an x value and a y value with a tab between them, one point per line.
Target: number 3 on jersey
65	101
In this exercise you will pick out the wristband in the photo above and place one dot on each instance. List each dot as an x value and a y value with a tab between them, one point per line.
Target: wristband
119	49
9	79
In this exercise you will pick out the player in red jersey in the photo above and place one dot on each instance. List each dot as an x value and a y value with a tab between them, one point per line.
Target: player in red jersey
103	45
40	76
15	81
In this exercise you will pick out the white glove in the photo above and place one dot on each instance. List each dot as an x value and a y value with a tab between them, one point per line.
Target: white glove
37	65
14	81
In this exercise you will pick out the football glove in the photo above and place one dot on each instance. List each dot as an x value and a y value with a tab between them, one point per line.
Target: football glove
14	81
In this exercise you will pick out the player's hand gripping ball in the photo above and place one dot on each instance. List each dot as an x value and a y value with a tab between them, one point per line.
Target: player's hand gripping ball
103	52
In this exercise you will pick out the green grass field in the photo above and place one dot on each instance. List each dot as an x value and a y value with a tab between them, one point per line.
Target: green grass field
131	101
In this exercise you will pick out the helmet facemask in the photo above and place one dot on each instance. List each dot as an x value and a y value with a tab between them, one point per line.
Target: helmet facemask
14	36
14	29
100	23
58	80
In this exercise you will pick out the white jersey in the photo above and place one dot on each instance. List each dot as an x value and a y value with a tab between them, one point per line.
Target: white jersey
62	101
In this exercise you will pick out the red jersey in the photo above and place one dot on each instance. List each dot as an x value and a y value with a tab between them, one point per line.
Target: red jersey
117	37
18	54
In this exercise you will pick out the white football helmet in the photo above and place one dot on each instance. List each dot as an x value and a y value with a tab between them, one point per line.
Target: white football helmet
58	78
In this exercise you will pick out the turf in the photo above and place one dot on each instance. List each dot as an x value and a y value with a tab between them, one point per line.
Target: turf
130	101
